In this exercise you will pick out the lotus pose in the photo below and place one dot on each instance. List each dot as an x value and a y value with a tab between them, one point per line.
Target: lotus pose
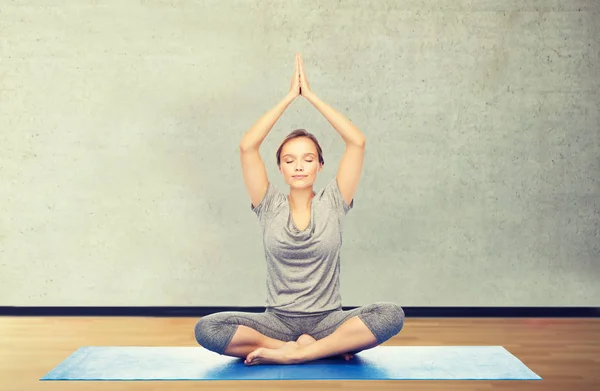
302	237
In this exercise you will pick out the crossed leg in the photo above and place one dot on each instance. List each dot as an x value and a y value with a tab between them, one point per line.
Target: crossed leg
246	340
213	330
352	335
306	339
237	334
339	333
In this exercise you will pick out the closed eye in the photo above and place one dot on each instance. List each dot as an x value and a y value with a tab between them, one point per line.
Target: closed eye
309	161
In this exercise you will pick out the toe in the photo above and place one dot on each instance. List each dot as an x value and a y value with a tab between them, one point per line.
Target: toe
250	357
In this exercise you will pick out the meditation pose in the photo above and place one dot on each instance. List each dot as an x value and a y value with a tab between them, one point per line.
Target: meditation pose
302	238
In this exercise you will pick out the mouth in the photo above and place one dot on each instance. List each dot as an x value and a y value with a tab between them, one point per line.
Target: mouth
299	176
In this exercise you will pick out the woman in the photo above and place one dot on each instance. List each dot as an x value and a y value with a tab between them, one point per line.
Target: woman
302	234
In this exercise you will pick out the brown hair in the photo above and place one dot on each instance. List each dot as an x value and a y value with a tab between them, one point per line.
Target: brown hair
300	133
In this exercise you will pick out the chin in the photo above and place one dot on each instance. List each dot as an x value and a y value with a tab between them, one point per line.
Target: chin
305	183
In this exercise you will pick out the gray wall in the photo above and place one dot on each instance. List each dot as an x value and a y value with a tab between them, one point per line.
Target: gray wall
120	177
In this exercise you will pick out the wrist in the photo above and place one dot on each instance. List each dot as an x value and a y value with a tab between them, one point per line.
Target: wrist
289	97
309	95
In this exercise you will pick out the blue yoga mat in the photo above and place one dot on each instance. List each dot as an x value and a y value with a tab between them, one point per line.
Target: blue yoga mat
379	363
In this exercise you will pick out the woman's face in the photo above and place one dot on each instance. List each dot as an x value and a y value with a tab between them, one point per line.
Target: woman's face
299	156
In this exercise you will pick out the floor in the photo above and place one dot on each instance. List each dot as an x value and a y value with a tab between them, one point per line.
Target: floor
565	352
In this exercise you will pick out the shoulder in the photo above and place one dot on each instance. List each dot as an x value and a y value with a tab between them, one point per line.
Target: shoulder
332	197
272	200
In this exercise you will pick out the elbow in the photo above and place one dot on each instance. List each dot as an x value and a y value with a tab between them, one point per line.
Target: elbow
361	143
245	147
356	142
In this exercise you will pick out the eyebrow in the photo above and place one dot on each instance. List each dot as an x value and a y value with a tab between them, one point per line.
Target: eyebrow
289	154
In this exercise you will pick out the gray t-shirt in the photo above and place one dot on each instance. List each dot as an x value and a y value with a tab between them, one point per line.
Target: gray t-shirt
303	267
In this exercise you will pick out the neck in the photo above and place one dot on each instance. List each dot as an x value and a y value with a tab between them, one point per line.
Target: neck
300	198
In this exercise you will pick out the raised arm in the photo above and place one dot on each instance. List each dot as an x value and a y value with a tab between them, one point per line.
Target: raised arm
350	169
253	167
257	133
350	133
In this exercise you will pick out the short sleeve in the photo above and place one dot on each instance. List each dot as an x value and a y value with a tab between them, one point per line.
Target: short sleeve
333	197
269	202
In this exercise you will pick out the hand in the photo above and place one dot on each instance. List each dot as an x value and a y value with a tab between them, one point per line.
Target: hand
295	85
304	86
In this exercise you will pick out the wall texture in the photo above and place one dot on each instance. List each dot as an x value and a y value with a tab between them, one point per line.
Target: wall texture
120	177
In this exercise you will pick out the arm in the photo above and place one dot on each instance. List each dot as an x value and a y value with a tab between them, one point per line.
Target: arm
350	168
350	133
257	133
348	174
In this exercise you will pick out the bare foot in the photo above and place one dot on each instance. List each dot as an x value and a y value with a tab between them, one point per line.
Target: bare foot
306	339
284	355
272	356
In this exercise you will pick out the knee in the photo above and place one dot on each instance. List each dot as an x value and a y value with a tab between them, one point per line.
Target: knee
393	315
200	330
205	331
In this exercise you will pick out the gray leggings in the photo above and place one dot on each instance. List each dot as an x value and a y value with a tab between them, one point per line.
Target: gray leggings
215	331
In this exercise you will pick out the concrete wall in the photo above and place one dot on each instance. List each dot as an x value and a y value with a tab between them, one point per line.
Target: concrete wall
120	177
